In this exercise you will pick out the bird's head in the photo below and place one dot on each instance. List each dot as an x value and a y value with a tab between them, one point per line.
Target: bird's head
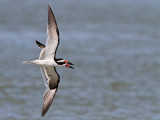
63	62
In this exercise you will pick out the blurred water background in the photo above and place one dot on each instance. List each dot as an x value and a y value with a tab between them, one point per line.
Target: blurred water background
114	44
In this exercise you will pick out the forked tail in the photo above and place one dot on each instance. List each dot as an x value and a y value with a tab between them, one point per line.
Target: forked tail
47	100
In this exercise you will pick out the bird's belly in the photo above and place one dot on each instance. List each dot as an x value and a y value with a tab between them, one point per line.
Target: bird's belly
46	62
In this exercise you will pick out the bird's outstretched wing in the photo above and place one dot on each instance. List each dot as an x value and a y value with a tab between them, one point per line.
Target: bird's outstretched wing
47	100
53	36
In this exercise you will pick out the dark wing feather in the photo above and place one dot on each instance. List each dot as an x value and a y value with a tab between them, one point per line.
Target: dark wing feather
47	100
53	36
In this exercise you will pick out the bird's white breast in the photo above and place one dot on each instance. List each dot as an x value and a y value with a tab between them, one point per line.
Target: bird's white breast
45	62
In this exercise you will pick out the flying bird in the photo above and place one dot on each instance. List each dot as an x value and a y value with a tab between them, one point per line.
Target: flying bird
48	62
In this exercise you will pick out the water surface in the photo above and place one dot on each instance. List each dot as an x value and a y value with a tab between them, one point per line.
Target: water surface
113	44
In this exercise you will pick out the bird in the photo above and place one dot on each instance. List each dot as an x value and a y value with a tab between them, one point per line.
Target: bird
48	62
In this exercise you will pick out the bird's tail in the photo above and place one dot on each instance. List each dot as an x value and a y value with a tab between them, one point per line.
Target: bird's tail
28	62
47	100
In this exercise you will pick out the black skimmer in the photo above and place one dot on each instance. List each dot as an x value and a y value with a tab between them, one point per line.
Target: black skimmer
47	62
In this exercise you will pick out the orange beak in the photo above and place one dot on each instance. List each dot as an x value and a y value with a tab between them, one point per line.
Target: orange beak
68	65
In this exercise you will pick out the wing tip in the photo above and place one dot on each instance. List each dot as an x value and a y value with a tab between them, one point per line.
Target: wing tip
48	99
42	114
40	44
49	8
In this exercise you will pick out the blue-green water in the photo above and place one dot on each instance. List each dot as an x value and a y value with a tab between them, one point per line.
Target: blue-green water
115	46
